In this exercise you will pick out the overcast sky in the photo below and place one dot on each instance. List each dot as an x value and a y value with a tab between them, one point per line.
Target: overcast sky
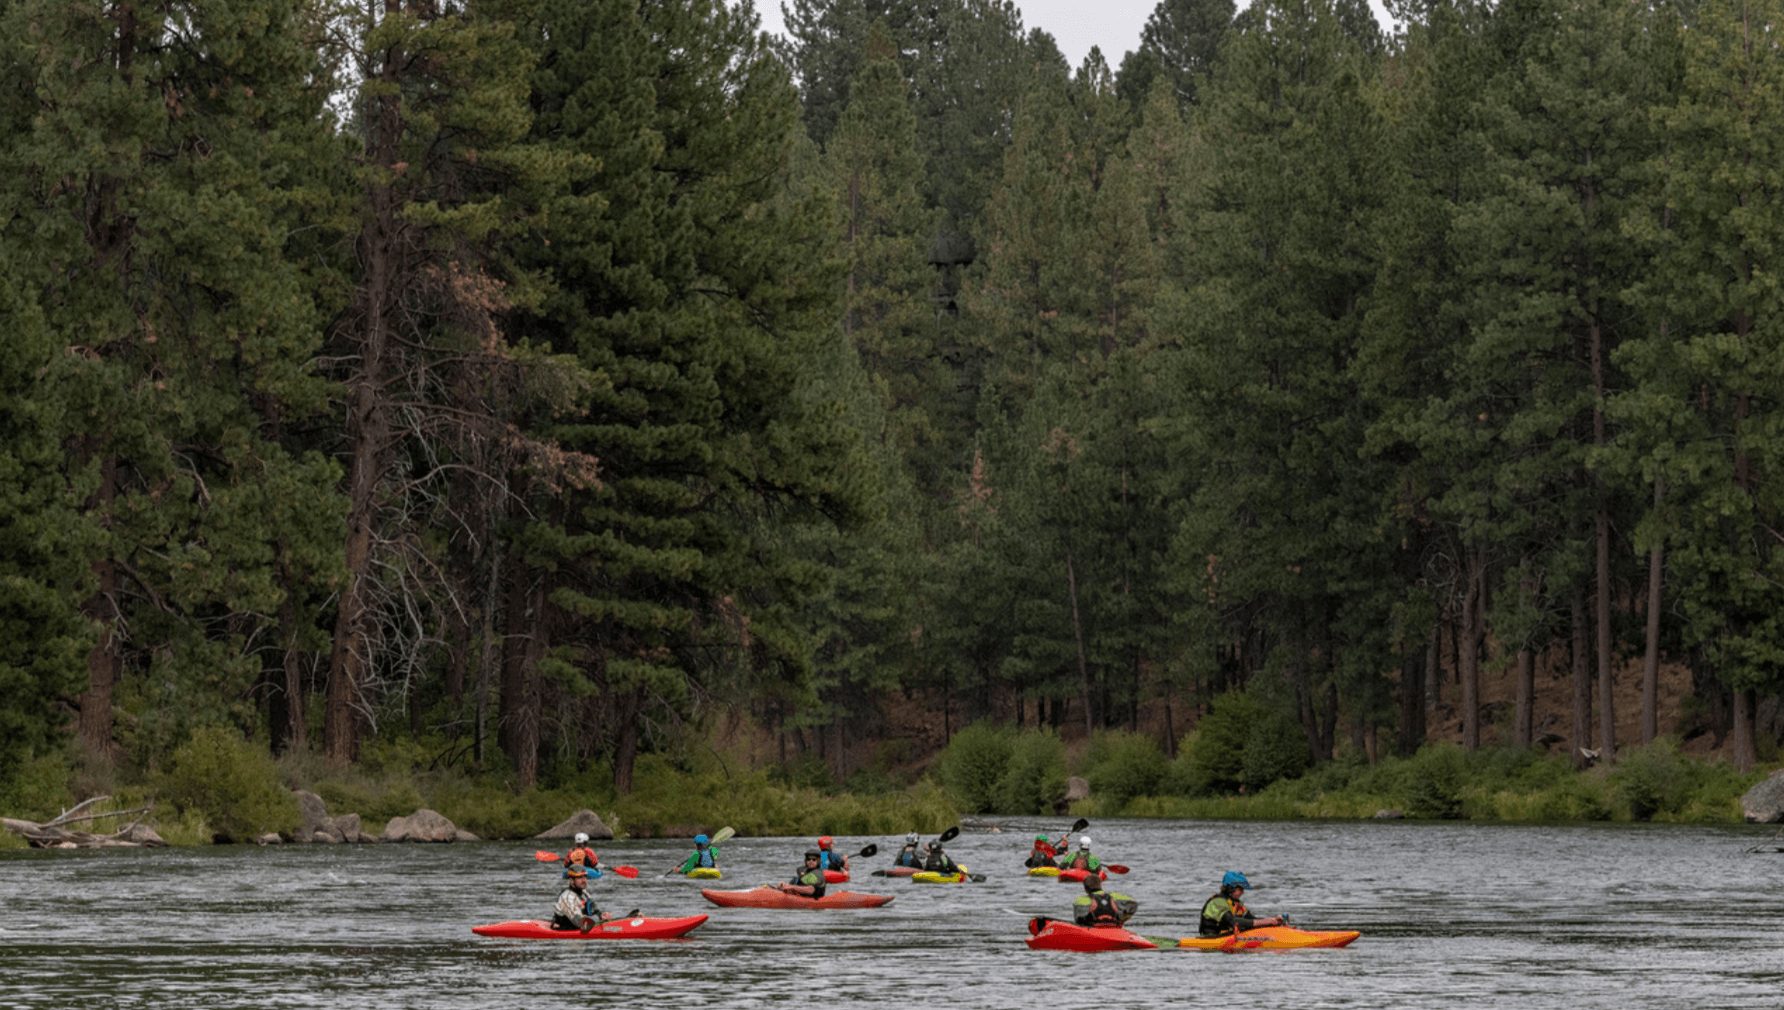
1076	24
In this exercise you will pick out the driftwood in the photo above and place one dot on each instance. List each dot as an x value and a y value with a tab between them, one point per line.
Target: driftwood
55	833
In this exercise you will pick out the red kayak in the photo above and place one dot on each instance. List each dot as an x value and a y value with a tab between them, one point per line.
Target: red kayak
898	871
1052	934
617	929
769	897
836	876
1077	876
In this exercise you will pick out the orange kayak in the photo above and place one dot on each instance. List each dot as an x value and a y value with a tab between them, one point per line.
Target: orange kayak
769	897
1052	934
1272	938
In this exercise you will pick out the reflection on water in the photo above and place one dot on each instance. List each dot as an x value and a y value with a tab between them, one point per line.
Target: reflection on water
1452	915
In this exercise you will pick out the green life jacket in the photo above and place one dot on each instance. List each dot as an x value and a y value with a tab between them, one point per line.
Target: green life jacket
1221	914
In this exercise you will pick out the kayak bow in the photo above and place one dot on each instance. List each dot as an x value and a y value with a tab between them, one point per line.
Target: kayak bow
1052	934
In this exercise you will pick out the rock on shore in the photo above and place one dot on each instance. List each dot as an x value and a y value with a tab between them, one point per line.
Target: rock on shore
1764	803
424	825
582	820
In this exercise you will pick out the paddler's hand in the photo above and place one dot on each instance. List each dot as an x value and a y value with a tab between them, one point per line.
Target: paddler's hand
588	924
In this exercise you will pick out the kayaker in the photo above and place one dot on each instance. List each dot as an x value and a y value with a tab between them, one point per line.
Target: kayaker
939	861
581	855
1226	913
911	855
808	880
1043	852
829	858
1083	859
1097	907
705	854
575	907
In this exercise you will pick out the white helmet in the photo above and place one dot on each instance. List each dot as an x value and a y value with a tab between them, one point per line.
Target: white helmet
911	838
581	838
1083	841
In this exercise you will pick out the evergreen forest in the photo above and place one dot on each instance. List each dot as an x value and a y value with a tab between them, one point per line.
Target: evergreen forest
550	388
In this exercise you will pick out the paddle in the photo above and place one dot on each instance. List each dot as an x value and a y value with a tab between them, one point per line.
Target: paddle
629	872
722	834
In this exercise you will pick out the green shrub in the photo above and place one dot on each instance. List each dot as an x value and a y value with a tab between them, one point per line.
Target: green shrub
974	764
1212	757
38	788
230	782
1034	781
1275	748
1652	780
1436	776
1123	765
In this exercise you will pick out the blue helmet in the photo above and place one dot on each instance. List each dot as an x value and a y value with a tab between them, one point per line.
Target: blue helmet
701	840
1234	878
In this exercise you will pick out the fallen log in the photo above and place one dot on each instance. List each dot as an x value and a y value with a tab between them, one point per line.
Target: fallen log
53	834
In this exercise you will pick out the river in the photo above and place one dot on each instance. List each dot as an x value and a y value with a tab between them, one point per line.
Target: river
1452	915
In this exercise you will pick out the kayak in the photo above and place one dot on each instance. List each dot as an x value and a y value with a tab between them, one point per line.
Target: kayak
704	873
769	897
1272	938
1043	871
836	876
898	871
1077	876
930	877
1052	934
618	929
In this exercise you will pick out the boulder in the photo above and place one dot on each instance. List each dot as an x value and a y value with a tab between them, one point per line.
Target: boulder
423	825
270	838
1077	788
582	820
144	835
1389	814
313	813
1764	803
347	827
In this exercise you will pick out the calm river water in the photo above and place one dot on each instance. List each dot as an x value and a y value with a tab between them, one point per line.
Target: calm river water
1452	916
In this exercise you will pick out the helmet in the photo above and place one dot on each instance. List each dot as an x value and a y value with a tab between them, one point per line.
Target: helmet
812	854
1234	878
701	840
581	838
935	846
1040	838
1083	841
824	842
911	838
576	872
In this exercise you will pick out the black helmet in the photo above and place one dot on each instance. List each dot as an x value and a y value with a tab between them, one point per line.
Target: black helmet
935	846
812	854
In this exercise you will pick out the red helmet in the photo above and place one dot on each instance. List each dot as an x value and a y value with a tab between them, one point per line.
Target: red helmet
824	842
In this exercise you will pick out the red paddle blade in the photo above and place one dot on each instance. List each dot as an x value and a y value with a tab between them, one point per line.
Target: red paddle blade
545	857
1114	867
629	872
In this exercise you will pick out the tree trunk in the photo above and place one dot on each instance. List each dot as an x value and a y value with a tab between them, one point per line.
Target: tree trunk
104	659
1468	651
522	639
368	423
1071	581
1412	696
1607	697
1523	724
625	747
1742	750
1433	673
1651	650
1582	678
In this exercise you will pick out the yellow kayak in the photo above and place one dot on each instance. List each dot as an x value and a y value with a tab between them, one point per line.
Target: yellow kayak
1043	871
704	873
932	877
1272	938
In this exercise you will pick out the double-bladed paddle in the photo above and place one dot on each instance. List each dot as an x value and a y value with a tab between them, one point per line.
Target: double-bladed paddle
629	872
722	834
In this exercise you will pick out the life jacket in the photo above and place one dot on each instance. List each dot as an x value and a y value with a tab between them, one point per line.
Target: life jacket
1039	858
1222	915
813	879
1083	860
828	860
706	856
583	856
582	901
939	862
1103	910
908	856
